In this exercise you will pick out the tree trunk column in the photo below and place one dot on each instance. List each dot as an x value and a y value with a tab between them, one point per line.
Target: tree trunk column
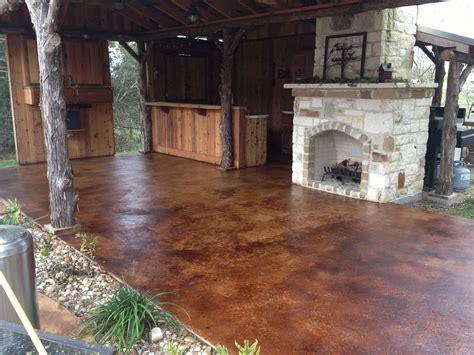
145	118
448	141
62	196
225	92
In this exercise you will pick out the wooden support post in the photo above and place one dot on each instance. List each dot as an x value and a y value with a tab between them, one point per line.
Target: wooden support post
144	51
448	141
227	47
440	74
63	198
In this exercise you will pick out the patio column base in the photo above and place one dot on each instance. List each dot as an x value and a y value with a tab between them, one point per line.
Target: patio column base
62	231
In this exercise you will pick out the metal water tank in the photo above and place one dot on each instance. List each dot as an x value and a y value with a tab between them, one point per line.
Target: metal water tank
462	176
18	265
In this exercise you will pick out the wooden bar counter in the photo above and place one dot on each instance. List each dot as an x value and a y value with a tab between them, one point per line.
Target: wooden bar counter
192	131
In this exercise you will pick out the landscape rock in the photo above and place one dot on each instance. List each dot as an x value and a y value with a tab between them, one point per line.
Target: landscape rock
156	335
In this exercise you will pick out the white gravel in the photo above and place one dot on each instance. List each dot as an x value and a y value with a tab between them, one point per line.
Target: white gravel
79	283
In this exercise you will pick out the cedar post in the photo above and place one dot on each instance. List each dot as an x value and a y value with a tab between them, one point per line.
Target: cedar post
227	48
145	119
63	198
448	141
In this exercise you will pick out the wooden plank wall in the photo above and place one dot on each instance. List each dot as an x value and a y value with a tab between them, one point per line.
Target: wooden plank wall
262	66
84	63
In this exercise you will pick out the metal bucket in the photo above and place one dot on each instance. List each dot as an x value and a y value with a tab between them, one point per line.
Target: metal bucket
18	265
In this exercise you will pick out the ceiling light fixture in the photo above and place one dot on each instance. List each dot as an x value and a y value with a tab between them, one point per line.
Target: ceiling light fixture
193	14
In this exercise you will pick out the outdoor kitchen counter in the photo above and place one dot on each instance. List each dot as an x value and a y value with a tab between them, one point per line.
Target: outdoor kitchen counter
193	131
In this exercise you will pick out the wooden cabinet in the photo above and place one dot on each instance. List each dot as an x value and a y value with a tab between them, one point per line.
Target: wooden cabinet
84	62
192	131
87	64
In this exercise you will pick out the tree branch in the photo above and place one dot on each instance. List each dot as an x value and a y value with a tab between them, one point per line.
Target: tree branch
50	24
464	75
130	51
237	37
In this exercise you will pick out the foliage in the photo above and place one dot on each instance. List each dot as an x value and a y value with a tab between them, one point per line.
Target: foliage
12	213
222	350
7	163
465	210
318	80
245	349
124	74
7	143
88	243
124	318
46	248
172	348
423	68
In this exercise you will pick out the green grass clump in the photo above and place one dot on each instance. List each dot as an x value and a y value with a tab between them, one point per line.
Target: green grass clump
173	348
465	210
125	317
88	243
12	214
7	163
245	349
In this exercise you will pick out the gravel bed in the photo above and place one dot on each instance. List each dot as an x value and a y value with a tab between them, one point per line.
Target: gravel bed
79	283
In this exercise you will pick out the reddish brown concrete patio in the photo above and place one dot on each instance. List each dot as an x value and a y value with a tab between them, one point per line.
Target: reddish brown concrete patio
250	255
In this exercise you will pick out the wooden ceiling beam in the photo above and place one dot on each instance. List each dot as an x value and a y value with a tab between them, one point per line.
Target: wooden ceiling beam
341	7
172	12
84	34
156	16
219	7
249	6
186	4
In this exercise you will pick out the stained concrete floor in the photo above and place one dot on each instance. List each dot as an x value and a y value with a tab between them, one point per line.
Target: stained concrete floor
249	255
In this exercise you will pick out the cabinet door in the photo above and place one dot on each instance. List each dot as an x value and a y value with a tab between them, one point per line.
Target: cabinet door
83	62
32	61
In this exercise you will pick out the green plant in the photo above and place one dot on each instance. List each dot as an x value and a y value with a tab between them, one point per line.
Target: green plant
89	243
172	348
12	213
46	248
245	349
222	350
124	318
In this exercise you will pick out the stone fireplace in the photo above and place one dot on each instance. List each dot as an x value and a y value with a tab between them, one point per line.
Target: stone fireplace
383	127
363	140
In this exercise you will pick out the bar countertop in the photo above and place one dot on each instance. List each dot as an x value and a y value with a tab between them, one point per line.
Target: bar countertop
185	105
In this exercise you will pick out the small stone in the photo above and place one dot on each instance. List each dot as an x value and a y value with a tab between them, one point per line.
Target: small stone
156	334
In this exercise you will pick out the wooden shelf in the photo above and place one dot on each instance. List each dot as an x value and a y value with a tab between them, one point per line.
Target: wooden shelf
74	95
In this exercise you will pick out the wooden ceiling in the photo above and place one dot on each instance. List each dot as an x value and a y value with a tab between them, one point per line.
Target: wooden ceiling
155	19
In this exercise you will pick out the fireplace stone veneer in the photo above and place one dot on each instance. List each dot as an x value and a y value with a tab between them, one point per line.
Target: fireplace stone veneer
389	121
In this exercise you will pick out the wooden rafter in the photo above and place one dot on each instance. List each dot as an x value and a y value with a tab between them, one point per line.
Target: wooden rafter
341	7
154	19
249	6
151	13
172	12
219	7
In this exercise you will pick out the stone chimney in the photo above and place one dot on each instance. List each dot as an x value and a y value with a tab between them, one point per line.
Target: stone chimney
390	39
